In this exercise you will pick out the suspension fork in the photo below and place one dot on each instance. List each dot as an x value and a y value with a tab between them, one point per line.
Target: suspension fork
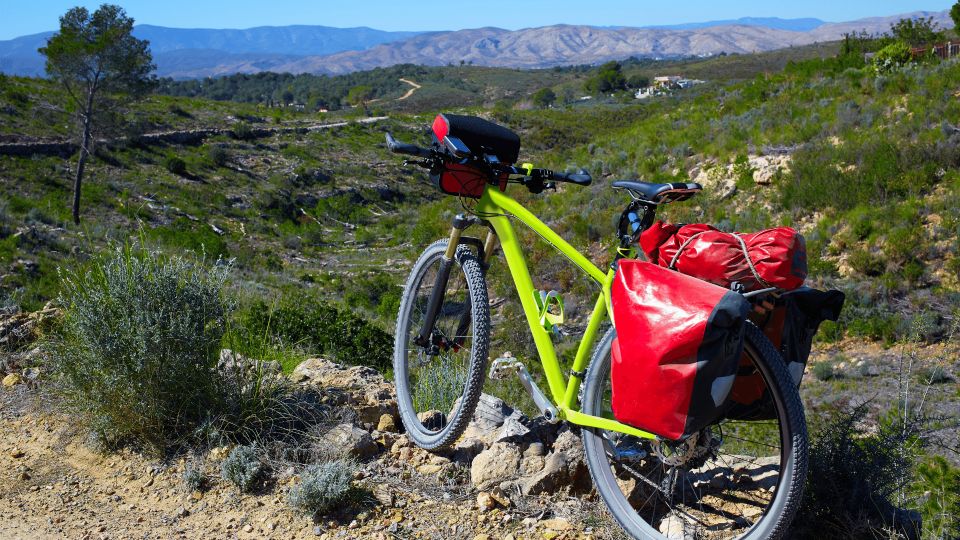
425	337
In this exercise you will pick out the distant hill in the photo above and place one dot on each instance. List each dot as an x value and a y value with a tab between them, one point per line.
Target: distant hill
19	56
776	23
191	53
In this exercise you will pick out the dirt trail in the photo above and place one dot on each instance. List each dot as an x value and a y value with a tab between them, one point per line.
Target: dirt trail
410	91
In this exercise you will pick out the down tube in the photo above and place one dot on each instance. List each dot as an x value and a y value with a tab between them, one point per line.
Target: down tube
493	202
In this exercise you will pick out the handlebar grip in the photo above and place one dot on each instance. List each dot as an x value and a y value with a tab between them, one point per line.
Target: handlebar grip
398	147
582	179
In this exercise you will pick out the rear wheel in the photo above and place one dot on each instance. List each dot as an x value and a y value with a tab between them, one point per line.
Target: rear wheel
437	393
737	479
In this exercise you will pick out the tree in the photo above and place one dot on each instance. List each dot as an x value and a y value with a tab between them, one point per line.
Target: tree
916	33
639	81
955	15
101	66
544	97
609	79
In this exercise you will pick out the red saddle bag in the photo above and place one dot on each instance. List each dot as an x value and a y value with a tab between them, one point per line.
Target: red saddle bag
677	350
770	258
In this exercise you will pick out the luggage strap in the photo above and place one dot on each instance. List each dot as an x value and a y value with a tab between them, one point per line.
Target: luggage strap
743	245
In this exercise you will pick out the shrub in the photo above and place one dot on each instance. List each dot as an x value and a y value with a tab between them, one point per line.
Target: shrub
865	263
940	484
241	468
219	156
854	474
138	347
174	165
880	83
933	375
324	329
823	371
243	131
323	487
892	57
194	479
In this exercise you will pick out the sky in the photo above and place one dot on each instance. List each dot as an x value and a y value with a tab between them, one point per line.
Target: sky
25	17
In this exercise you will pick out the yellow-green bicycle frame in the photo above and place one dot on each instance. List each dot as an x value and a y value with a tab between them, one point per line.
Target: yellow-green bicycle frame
563	393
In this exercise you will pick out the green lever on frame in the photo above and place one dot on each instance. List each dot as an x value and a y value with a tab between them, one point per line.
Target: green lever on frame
550	308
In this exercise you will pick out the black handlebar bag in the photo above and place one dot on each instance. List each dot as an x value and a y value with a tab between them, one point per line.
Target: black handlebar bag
790	322
467	178
677	351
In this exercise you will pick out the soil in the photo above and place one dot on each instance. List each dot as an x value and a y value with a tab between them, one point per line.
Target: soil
54	486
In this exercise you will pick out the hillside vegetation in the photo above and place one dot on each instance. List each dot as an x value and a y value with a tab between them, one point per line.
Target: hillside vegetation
322	224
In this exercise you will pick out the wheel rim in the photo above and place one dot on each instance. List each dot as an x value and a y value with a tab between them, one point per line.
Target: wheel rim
723	492
435	384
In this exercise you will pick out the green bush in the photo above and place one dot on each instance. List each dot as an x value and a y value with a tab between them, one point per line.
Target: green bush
194	478
219	156
823	371
243	131
322	328
892	57
139	344
323	487
854	475
241	468
866	263
175	165
940	488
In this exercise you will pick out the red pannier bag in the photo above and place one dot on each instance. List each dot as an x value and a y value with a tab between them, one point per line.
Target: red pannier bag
677	351
790	322
770	258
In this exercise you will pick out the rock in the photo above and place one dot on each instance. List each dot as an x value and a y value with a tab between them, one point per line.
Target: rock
365	389
485	501
565	466
432	419
181	512
31	373
196	495
387	424
429	469
531	465
11	379
488	418
675	528
498	495
384	495
534	449
500	460
512	427
317	530
350	439
16	453
467	449
248	528
24	476
557	524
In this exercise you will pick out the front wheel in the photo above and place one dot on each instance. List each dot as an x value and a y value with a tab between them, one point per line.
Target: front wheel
736	479
438	390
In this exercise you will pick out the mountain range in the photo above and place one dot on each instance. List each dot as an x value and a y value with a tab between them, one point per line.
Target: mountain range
192	53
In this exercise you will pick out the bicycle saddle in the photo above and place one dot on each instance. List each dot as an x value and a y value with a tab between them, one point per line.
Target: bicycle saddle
660	193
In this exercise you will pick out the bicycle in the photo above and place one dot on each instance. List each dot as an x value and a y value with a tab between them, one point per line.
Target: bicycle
737	479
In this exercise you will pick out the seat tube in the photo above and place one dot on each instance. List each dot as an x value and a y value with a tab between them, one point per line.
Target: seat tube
440	285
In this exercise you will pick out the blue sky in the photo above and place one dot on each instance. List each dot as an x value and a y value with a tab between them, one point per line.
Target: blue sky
23	17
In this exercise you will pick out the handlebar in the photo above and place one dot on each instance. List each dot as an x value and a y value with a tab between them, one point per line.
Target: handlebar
535	176
398	147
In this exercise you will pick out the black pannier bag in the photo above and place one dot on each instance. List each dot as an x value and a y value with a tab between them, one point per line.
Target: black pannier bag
790	322
677	351
480	137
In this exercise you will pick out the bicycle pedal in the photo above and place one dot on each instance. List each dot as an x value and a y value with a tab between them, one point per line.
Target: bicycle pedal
501	368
